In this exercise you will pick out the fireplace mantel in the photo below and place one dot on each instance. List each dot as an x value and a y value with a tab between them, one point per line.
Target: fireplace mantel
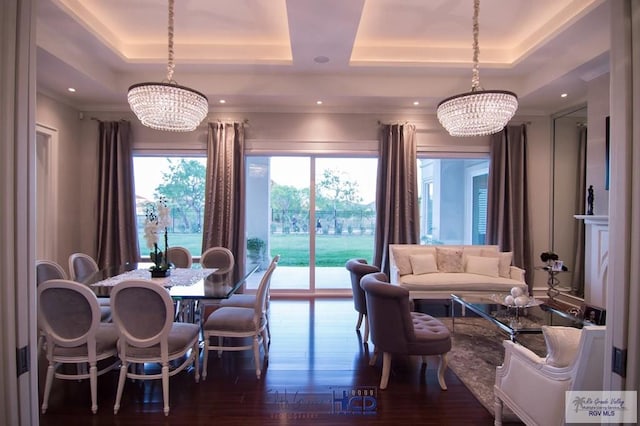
593	219
596	260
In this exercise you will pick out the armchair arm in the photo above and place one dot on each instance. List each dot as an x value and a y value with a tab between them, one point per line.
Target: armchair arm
516	273
394	274
531	388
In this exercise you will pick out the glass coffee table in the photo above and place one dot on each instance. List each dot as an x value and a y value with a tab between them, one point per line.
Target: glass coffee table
514	320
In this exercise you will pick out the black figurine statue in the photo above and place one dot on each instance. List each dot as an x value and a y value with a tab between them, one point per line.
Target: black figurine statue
590	200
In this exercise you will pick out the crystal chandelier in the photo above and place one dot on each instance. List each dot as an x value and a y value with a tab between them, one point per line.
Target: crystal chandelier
167	105
478	112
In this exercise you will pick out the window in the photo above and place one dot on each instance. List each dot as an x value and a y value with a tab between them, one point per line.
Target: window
181	180
453	200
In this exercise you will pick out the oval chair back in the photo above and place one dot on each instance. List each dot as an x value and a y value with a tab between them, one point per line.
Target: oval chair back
218	257
81	266
180	257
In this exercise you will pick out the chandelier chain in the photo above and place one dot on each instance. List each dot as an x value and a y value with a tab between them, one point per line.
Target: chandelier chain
475	78
170	63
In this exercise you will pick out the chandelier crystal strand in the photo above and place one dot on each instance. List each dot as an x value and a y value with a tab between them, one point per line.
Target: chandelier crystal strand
170	65
168	106
478	112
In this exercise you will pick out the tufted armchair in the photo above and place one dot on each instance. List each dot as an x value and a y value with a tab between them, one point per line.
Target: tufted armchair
534	387
358	268
397	330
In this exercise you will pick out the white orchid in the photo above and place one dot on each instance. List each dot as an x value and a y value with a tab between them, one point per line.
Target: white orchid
157	221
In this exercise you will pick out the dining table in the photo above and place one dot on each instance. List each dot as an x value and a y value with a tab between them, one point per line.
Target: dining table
186	286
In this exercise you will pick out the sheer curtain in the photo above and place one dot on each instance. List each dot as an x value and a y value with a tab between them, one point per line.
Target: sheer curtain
224	215
397	214
117	232
507	208
577	278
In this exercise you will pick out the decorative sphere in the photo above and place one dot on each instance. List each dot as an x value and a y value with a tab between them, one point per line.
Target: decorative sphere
509	300
516	291
522	300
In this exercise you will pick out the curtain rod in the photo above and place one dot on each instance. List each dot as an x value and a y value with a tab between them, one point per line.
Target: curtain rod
394	122
243	121
100	121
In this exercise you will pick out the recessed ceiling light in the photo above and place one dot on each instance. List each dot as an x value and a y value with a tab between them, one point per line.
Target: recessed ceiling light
416	103
318	102
564	95
71	89
222	101
321	59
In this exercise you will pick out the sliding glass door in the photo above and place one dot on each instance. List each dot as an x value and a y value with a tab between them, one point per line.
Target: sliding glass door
316	212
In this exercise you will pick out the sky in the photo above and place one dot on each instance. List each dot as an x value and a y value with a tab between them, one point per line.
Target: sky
294	171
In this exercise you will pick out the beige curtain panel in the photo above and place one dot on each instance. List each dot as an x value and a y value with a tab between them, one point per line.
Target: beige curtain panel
117	233
397	215
507	207
224	214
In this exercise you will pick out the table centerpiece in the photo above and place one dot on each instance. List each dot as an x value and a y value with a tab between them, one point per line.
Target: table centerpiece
157	221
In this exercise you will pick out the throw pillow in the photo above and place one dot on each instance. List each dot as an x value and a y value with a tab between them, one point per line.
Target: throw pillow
562	344
423	264
449	259
483	266
401	255
470	251
505	258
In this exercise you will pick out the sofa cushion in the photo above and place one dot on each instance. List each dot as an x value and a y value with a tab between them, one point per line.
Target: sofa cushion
504	265
470	251
562	344
423	264
452	283
449	259
401	256
483	265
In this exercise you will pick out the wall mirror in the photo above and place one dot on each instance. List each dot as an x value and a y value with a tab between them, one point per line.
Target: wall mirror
569	157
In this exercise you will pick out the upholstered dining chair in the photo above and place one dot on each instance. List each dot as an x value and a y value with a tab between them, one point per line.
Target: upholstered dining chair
69	314
218	257
149	335
395	329
240	323
358	268
223	260
180	257
47	270
249	300
81	266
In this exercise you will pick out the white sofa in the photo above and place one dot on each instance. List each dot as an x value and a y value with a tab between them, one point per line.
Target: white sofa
437	271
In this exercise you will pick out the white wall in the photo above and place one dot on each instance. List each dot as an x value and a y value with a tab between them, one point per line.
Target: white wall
597	111
73	164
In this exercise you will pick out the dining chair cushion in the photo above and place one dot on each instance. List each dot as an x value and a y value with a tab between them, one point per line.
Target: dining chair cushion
232	318
180	335
240	301
106	338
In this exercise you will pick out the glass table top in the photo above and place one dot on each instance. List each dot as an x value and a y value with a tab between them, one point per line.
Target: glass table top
517	320
182	283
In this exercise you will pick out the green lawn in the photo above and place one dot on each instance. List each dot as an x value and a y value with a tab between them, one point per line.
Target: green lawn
331	250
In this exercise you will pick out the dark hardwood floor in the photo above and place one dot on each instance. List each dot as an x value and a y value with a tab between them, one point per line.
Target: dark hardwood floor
315	356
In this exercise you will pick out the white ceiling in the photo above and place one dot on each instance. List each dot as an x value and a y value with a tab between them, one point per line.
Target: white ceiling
382	54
